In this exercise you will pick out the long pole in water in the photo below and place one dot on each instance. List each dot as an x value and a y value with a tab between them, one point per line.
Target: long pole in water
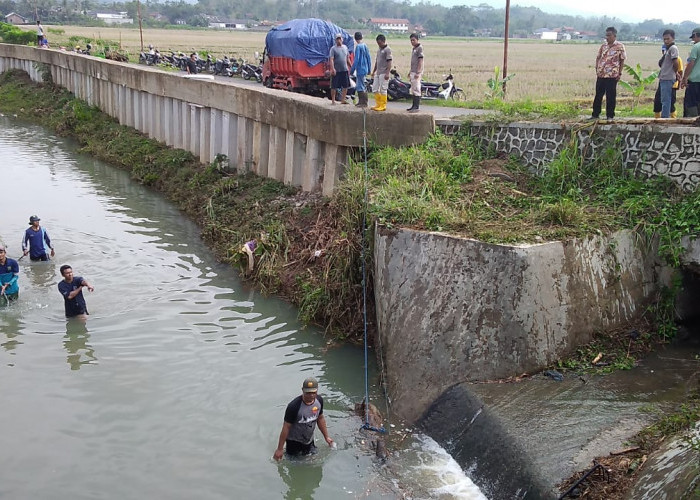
505	47
364	257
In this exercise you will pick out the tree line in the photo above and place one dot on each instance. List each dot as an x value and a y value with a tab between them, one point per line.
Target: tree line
461	20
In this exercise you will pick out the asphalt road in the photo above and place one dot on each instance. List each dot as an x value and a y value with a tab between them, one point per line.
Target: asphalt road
439	112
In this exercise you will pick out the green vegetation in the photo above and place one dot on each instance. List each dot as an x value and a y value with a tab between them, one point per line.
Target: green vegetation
12	34
639	82
495	85
309	247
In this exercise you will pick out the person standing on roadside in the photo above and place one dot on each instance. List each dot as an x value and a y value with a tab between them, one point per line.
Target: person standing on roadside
339	61
361	66
669	72
9	275
36	240
192	65
674	89
300	419
608	65
416	72
39	33
382	70
71	287
691	78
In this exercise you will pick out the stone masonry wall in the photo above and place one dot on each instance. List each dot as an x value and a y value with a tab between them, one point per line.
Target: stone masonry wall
649	149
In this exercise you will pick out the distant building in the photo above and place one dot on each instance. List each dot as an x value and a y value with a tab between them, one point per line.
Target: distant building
14	18
390	25
113	17
232	24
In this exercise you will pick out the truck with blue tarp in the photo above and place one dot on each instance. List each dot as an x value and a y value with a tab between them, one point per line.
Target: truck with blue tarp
296	55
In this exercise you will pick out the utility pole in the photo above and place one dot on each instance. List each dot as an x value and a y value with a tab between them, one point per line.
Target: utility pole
505	47
138	11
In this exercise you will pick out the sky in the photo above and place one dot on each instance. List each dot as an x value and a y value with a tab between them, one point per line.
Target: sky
631	11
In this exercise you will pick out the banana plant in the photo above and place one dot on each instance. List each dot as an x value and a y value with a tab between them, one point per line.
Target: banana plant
639	82
495	84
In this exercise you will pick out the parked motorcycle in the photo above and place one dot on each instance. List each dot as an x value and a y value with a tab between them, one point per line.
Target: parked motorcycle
223	67
445	90
399	89
249	71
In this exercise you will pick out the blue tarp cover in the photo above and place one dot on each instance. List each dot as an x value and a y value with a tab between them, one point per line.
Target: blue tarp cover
309	40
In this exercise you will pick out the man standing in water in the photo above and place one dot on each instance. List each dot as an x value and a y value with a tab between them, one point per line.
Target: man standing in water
72	290
37	239
9	274
300	420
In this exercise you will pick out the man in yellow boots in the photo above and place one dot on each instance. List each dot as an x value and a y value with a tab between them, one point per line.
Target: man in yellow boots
381	74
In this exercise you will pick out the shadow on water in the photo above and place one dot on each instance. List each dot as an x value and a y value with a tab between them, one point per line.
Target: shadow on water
76	344
302	477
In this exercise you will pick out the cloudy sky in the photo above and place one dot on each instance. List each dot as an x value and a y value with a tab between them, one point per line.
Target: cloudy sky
626	10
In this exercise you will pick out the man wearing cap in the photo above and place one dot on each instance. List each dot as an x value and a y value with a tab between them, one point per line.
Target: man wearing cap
300	419
339	61
9	273
37	239
691	77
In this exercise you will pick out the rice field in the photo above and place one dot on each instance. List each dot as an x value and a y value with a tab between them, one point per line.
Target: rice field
543	70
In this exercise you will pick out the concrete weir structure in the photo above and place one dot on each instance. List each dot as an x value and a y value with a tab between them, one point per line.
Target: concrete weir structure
297	139
453	310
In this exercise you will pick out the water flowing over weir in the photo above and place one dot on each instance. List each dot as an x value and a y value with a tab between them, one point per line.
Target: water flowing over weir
176	385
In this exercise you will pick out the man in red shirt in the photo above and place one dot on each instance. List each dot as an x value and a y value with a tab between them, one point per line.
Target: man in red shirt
608	66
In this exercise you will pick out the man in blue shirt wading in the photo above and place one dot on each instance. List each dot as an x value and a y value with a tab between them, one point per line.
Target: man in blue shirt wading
9	273
37	239
72	290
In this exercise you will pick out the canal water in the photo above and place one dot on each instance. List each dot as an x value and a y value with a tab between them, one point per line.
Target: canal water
176	385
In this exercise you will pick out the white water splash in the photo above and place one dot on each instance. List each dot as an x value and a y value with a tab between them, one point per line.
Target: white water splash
426	470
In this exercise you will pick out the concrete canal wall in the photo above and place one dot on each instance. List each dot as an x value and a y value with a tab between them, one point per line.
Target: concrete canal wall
297	139
452	310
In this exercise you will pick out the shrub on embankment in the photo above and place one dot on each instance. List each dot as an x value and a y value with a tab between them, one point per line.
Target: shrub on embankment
309	247
12	34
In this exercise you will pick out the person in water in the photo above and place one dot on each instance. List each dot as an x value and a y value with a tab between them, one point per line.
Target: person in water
36	240
72	290
9	275
300	419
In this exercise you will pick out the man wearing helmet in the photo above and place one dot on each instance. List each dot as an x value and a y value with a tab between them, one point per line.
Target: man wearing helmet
36	241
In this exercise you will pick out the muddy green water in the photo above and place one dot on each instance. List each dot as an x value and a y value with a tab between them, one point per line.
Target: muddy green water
176	385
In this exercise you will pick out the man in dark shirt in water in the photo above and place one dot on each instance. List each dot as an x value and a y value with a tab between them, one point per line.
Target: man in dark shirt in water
300	420
72	290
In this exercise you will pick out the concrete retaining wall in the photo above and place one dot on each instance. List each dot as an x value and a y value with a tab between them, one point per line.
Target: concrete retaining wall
451	310
649	149
297	139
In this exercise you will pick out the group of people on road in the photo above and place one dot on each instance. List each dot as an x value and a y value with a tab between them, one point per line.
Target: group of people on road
342	66
610	63
37	244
